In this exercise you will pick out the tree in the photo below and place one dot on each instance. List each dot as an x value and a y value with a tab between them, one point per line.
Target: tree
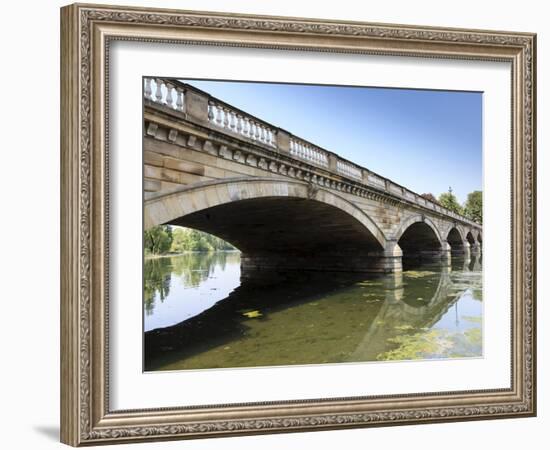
157	240
189	240
449	201
429	196
473	208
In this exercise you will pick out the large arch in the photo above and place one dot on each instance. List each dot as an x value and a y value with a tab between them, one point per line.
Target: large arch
166	208
277	223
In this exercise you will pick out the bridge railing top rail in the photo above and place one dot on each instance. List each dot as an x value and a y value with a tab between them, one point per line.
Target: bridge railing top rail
211	111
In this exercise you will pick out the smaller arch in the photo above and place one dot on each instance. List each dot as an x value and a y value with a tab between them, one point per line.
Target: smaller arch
419	238
470	238
479	237
417	219
455	240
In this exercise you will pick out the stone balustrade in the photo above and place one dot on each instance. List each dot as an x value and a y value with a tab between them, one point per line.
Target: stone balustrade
308	152
210	111
165	92
245	125
348	169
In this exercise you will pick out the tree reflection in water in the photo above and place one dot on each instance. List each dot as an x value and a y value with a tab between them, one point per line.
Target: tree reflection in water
156	282
192	268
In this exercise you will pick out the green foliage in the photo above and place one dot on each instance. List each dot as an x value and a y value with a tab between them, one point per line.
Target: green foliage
165	238
158	240
189	240
473	208
449	201
429	196
194	268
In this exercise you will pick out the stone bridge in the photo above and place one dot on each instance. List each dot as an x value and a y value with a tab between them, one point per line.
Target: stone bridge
286	203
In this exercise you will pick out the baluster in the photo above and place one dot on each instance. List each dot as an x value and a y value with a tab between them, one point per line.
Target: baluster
210	111
262	133
158	93
240	124
169	100
148	92
232	124
218	116
253	130
179	99
225	117
246	127
257	131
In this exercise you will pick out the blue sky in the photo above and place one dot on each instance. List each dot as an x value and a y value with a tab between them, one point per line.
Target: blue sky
425	140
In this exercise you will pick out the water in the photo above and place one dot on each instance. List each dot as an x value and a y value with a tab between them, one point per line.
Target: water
199	314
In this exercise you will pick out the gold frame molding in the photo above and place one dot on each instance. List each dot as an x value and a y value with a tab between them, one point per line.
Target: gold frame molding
86	31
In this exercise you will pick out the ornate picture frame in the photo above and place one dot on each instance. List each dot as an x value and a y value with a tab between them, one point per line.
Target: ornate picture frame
87	31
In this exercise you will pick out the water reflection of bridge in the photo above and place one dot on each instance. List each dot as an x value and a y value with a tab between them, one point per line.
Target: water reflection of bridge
351	318
418	313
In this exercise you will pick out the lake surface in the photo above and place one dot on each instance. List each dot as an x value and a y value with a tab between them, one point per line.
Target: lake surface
199	313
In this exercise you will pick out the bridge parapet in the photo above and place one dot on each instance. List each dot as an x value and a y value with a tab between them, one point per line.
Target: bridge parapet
327	168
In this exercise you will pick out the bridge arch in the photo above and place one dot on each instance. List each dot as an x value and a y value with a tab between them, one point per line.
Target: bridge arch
418	218
470	237
172	206
276	222
419	236
455	239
